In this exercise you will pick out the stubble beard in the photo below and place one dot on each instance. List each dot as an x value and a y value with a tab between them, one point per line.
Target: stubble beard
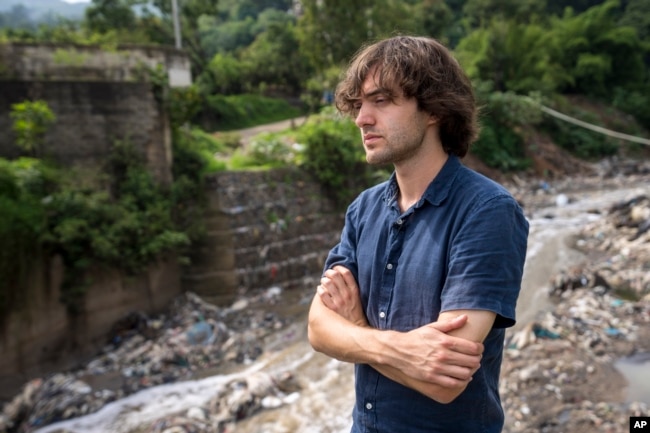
392	154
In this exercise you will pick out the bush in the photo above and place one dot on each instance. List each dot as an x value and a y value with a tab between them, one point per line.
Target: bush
634	102
581	142
500	147
334	155
126	225
266	150
125	228
23	183
31	119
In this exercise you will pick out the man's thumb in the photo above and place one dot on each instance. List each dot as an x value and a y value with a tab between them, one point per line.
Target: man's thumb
451	324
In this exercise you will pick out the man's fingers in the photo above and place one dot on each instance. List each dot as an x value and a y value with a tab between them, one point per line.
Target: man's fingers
448	326
347	276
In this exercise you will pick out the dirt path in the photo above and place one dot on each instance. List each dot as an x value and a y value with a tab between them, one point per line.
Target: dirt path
248	133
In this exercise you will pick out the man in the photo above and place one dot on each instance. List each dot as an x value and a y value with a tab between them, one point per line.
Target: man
426	275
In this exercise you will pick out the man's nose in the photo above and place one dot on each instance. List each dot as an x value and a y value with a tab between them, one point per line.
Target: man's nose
364	117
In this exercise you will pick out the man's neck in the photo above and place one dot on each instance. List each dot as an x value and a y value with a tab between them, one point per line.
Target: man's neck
415	175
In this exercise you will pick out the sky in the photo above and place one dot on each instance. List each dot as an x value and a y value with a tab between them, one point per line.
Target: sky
77	1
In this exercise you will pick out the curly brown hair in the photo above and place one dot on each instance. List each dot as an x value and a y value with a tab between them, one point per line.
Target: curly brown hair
422	68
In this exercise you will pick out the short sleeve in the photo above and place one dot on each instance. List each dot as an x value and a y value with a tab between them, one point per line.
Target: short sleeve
487	258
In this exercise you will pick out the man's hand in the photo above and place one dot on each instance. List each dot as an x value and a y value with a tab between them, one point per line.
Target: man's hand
430	354
339	292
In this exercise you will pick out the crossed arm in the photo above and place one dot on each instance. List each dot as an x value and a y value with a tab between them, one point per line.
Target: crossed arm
438	359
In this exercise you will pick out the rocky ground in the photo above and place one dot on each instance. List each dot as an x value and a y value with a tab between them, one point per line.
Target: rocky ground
558	373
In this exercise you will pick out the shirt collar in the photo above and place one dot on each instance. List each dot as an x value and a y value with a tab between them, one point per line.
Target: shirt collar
438	189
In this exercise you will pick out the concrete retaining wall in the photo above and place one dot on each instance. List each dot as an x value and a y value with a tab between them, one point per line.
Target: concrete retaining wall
40	336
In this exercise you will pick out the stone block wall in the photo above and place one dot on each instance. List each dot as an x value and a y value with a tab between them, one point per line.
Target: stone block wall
264	229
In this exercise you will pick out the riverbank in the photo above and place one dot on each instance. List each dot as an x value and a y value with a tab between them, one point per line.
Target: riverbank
208	369
561	371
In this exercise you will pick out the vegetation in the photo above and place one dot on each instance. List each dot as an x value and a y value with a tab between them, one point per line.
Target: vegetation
259	61
31	120
293	51
119	218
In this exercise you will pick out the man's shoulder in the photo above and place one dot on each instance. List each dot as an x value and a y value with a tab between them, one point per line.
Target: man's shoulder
479	185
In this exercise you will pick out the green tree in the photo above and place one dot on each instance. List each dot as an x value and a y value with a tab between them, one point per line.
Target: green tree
241	9
225	74
225	36
512	56
31	120
433	18
479	13
558	7
275	60
637	15
157	22
331	31
596	52
103	16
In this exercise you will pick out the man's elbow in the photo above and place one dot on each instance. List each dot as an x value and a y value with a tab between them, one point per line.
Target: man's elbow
313	337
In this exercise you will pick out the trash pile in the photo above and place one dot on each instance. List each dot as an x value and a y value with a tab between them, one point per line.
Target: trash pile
144	352
619	248
558	372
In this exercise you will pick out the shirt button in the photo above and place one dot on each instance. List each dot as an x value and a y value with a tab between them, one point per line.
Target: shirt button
368	406
399	221
382	314
389	266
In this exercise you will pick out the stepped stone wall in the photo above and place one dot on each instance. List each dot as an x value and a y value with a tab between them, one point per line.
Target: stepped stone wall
264	229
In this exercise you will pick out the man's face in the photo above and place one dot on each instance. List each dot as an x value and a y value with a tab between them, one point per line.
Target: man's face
392	129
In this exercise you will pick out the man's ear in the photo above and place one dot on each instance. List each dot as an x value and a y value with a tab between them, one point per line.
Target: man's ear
433	119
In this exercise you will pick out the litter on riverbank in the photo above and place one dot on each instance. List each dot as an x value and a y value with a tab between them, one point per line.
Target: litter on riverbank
558	373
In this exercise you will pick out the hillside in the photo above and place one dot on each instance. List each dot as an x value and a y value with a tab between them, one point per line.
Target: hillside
38	10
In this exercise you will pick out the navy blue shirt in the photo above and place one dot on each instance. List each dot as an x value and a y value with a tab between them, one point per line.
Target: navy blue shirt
461	246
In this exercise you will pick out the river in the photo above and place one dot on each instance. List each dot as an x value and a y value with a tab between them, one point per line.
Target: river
324	403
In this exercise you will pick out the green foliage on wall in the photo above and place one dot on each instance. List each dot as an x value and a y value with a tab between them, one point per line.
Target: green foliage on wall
123	220
23	185
31	120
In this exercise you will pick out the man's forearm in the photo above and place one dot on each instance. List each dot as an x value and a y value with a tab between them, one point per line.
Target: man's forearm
441	394
339	338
